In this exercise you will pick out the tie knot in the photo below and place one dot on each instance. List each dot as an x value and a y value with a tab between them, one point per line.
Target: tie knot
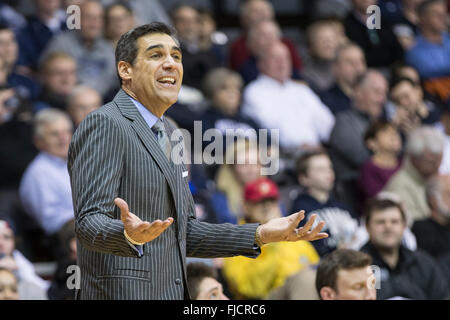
158	126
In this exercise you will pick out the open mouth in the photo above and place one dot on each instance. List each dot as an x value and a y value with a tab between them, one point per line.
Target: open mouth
167	81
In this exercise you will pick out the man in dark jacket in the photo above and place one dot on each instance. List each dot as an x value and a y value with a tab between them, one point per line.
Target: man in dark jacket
403	273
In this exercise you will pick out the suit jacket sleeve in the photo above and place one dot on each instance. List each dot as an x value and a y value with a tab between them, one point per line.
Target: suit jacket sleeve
95	167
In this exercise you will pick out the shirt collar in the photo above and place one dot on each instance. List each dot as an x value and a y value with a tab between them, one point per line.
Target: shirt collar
149	117
56	160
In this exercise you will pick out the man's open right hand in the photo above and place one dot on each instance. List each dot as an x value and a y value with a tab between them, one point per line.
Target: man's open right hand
138	230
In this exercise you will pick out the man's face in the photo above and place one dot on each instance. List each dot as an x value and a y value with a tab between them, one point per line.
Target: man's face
350	65
187	24
276	63
55	138
371	96
210	289
325	42
265	35
386	228
8	286
427	163
60	77
157	72
8	47
256	11
355	284
83	104
119	21
91	20
320	174
435	17
262	211
7	243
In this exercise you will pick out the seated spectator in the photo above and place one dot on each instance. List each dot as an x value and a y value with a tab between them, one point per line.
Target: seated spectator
380	46
145	11
254	278
423	155
430	54
8	285
384	142
24	87
119	19
261	35
410	109
433	233
223	89
58	75
81	102
349	63
345	274
315	173
209	38
241	166
403	273
445	121
41	27
323	39
202	282
303	120
299	286
347	149
251	12
45	187
196	61
30	285
67	257
95	58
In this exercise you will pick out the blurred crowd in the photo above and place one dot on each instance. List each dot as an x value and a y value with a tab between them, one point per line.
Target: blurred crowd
364	140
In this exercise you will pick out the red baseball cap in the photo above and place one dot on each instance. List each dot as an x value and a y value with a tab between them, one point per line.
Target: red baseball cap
261	189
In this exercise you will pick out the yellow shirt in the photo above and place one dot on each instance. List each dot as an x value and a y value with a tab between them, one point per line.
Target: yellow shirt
255	278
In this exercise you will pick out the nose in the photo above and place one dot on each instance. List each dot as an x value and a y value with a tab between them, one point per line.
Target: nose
169	62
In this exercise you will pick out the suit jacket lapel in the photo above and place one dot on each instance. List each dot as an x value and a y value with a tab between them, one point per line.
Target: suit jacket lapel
147	137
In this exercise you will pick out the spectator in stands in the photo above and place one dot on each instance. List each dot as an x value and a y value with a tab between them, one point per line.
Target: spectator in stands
433	233
209	38
8	285
404	273
254	278
345	274
348	64
119	19
45	23
315	173
241	166
445	121
411	110
423	155
383	140
94	55
45	187
202	282
430	54
323	39
58	74
223	88
251	12
303	120
299	286
145	11
261	35
30	285
380	46
196	61
24	87
347	149
81	102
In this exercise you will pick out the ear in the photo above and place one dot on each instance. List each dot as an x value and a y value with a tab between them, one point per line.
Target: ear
303	180
371	145
125	70
327	293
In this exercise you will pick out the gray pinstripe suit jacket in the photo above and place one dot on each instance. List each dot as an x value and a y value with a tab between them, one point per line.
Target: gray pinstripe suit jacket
114	153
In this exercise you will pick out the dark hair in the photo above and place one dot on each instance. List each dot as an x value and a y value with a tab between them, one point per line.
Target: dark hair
178	6
377	204
423	6
116	4
302	163
196	272
340	259
375	128
395	81
4	27
127	49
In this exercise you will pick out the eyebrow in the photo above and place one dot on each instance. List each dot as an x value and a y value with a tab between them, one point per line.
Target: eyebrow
160	46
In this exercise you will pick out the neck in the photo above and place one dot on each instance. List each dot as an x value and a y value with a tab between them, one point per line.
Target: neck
319	195
432	36
390	256
347	89
385	160
159	112
443	221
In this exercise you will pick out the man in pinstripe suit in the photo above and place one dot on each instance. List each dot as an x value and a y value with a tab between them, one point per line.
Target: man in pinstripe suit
118	161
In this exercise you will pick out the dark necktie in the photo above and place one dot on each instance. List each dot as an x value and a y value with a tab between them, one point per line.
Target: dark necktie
162	137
